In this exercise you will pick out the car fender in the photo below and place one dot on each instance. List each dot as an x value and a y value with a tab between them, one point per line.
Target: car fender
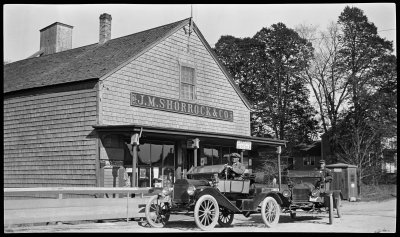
221	199
280	199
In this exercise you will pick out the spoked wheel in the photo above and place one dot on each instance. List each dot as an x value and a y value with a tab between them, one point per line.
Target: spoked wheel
225	217
157	213
338	203
270	211
206	212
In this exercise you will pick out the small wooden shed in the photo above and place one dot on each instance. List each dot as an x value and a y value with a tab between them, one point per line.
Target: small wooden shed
344	179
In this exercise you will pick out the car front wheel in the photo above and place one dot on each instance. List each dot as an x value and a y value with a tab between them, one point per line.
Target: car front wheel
270	211
206	212
157	213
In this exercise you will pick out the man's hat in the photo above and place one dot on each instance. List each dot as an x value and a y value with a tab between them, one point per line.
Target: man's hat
322	161
235	155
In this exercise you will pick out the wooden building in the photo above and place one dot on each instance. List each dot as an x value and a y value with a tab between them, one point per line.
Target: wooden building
304	157
151	105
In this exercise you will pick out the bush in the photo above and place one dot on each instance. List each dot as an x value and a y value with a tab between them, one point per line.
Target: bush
378	192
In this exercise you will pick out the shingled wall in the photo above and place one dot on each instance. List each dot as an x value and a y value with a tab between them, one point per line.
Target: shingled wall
156	73
48	136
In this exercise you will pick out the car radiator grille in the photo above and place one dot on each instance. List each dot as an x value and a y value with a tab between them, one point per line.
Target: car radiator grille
301	195
180	194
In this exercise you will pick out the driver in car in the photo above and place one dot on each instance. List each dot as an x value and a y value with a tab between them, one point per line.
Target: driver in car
236	169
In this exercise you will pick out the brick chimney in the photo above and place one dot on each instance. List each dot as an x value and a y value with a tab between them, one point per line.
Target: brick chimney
105	28
55	38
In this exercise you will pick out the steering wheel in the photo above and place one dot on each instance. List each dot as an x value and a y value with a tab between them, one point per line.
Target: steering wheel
227	172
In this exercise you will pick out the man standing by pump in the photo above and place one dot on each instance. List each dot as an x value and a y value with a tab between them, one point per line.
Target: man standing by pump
325	174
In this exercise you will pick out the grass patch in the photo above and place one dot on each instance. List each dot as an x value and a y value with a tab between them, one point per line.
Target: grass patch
378	192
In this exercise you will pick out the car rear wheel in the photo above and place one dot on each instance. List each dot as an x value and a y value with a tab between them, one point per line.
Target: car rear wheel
206	212
270	211
157	213
225	218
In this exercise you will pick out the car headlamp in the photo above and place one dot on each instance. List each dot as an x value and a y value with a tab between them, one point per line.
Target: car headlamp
191	190
167	190
315	193
286	193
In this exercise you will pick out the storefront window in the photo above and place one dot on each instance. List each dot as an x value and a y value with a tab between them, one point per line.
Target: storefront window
144	154
216	159
225	155
156	164
156	154
168	170
208	155
216	155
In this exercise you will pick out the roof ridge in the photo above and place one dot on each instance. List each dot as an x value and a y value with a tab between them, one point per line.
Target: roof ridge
148	29
76	64
47	55
94	44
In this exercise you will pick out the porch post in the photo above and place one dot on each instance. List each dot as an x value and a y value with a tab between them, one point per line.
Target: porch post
196	146
135	143
278	150
134	159
195	157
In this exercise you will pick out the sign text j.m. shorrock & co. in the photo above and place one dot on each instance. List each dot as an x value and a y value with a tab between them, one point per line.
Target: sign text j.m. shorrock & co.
177	106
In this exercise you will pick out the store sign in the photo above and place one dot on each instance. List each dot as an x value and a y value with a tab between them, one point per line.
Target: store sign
176	106
337	170
243	145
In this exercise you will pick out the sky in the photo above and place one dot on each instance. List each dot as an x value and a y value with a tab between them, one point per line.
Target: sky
22	22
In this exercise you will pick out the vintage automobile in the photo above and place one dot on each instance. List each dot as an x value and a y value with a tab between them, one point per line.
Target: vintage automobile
308	192
213	198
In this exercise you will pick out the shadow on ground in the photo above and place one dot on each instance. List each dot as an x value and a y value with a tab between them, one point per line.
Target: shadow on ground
251	221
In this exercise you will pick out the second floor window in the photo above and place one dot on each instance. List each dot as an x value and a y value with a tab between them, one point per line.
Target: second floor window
188	83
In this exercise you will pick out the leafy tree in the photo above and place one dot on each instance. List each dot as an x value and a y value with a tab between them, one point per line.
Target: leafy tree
361	51
267	68
370	70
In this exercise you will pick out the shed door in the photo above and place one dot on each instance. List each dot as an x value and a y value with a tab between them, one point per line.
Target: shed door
340	181
352	182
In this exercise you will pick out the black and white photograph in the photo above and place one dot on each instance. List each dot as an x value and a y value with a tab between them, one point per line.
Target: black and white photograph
197	118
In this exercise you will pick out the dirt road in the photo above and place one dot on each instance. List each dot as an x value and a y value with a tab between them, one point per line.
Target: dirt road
357	217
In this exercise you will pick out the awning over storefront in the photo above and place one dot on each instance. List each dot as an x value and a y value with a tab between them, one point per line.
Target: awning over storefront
176	132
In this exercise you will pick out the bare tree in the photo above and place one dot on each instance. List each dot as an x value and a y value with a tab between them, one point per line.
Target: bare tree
355	144
329	84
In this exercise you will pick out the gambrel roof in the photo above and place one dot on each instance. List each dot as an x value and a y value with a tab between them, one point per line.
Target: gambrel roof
93	61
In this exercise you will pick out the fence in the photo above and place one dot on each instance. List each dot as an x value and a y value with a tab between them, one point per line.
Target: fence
61	209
